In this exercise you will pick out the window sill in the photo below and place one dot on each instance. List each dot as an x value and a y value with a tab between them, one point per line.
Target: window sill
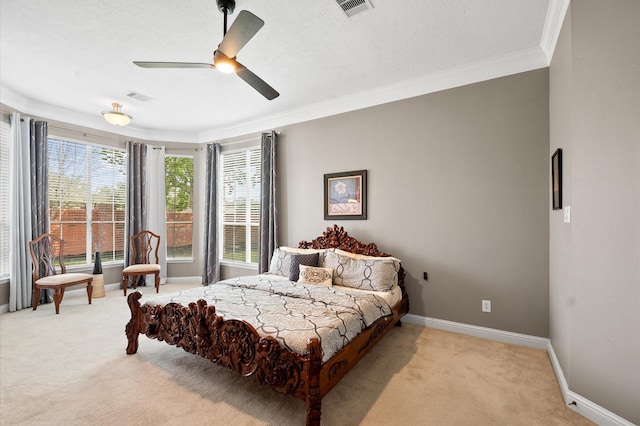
180	260
88	268
236	264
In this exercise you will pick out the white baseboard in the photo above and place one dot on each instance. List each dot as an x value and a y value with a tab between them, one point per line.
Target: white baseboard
562	381
597	414
477	331
594	412
184	280
110	287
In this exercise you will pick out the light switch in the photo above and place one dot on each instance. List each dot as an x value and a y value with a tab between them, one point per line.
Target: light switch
567	214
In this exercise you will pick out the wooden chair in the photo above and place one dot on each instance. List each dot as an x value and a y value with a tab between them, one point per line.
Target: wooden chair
143	244
49	270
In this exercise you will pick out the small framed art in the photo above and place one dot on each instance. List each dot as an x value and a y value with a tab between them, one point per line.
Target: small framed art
556	179
345	195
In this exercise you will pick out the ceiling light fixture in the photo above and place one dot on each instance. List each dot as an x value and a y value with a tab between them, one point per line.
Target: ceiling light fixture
116	117
223	63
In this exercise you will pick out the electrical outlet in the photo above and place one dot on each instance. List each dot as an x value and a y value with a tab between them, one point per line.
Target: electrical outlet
486	306
425	276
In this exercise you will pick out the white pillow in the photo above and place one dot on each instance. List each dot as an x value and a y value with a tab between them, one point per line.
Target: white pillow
297	250
367	273
363	256
316	275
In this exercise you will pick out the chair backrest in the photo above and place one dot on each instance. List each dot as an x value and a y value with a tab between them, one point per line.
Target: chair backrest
143	245
47	256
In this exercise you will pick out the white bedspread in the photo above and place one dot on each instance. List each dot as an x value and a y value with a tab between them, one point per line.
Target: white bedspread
291	312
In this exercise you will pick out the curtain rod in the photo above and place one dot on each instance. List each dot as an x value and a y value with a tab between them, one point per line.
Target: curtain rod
108	135
246	140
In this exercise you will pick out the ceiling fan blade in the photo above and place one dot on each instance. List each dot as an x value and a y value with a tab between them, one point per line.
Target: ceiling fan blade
172	64
256	82
242	30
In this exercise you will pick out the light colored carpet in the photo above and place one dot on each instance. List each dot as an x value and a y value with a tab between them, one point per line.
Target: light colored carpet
72	369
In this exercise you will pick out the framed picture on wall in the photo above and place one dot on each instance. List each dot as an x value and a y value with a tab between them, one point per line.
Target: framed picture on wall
345	195
556	179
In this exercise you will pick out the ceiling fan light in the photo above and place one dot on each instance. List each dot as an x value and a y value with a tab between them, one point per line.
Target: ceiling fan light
116	117
225	67
223	63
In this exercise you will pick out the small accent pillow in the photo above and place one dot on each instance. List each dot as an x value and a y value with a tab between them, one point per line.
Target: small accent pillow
298	260
317	276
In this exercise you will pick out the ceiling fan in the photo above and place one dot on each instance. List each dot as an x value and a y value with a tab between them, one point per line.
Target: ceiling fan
245	26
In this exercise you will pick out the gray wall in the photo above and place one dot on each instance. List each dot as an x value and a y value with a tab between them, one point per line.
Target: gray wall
595	260
458	187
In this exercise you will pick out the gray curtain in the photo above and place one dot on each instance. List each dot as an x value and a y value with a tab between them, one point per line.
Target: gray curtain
20	286
211	270
136	205
29	205
39	187
268	202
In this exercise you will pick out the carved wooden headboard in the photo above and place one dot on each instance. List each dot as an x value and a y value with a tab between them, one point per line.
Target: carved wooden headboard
337	237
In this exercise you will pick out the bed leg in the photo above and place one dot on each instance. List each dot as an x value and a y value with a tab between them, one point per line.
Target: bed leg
133	328
314	398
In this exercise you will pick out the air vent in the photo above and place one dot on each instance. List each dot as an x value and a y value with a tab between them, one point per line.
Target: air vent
139	96
353	7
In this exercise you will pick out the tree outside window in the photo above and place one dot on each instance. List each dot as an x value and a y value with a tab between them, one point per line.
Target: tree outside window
179	193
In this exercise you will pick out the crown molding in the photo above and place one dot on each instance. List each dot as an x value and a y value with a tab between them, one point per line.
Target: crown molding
514	63
502	66
553	24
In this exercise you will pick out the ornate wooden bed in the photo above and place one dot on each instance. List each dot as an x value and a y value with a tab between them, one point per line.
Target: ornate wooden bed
237	345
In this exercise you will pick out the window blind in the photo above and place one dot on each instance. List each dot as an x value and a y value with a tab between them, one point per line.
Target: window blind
240	205
5	162
87	190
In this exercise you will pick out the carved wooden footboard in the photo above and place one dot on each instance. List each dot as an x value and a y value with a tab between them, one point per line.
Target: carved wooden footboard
231	343
238	346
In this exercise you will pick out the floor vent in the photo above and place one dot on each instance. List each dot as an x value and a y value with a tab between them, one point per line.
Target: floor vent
353	7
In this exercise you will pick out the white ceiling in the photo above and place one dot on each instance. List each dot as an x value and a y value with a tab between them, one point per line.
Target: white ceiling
68	60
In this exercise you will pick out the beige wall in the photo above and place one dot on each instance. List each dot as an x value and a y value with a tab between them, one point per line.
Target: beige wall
595	260
458	188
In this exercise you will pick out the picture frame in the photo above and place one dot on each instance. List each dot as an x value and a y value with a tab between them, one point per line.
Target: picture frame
345	195
556	179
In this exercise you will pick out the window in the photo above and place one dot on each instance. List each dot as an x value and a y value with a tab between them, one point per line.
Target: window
87	193
179	192
5	141
240	205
